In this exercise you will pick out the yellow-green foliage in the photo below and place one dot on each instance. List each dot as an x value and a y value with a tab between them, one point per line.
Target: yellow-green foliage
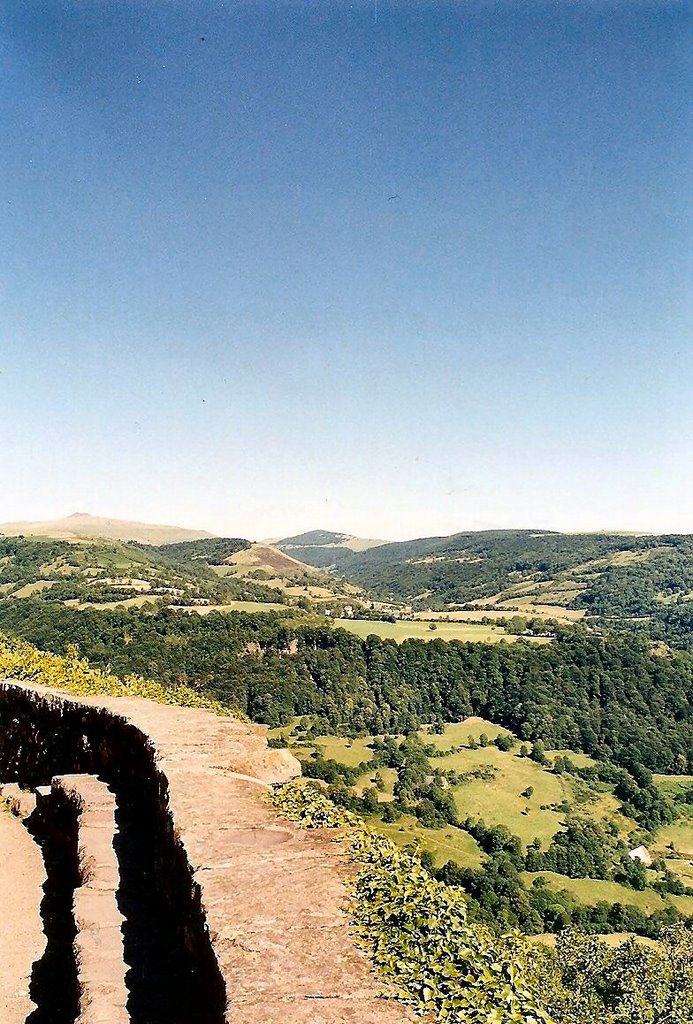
415	929
588	982
20	660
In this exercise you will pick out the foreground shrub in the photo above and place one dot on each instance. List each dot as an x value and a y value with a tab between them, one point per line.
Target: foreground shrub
415	929
22	661
631	983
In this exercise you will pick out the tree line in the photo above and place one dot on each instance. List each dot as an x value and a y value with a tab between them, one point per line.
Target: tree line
611	697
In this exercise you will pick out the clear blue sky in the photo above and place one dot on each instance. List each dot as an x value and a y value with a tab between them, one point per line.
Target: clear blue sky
394	268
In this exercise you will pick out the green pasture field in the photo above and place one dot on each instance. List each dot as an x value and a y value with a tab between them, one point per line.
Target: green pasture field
445	844
29	589
470	632
240	606
346	751
498	802
682	868
599	806
122	560
286	732
673	784
389	777
457	733
591	891
684	904
578	759
126	602
680	835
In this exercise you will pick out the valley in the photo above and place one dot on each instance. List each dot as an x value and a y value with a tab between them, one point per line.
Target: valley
474	783
630	581
506	740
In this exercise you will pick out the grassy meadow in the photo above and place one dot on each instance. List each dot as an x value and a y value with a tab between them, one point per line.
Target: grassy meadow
468	632
401	630
678	835
239	606
500	801
444	843
594	890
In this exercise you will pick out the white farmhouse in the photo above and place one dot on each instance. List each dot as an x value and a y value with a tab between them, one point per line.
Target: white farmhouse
642	854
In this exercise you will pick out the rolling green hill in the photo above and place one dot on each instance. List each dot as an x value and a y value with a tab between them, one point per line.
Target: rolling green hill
325	549
103	573
626	580
198	574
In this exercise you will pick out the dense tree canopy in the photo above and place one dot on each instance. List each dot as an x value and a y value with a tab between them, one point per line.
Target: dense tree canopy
611	697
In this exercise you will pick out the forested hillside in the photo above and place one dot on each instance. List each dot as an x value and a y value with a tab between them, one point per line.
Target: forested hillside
641	582
103	572
611	697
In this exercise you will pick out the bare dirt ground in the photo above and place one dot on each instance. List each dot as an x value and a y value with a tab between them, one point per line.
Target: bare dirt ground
21	935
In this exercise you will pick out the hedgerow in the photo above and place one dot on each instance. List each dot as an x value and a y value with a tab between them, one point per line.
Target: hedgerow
415	929
22	661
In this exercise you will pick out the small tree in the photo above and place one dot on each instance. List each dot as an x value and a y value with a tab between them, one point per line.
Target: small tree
427	861
369	799
538	752
391	813
504	741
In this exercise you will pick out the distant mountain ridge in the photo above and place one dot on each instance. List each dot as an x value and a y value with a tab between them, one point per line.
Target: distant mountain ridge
625	579
82	524
324	548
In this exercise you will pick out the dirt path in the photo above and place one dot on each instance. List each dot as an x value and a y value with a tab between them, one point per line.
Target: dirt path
21	935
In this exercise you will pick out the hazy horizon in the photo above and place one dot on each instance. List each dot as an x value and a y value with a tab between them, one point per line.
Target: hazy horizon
399	269
347	531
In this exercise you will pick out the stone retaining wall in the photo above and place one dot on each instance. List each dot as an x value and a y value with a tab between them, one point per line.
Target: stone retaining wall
231	915
98	943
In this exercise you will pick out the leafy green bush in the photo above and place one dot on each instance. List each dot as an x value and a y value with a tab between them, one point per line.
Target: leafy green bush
629	984
21	660
416	931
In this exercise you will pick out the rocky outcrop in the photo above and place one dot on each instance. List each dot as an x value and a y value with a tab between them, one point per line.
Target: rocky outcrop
230	915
